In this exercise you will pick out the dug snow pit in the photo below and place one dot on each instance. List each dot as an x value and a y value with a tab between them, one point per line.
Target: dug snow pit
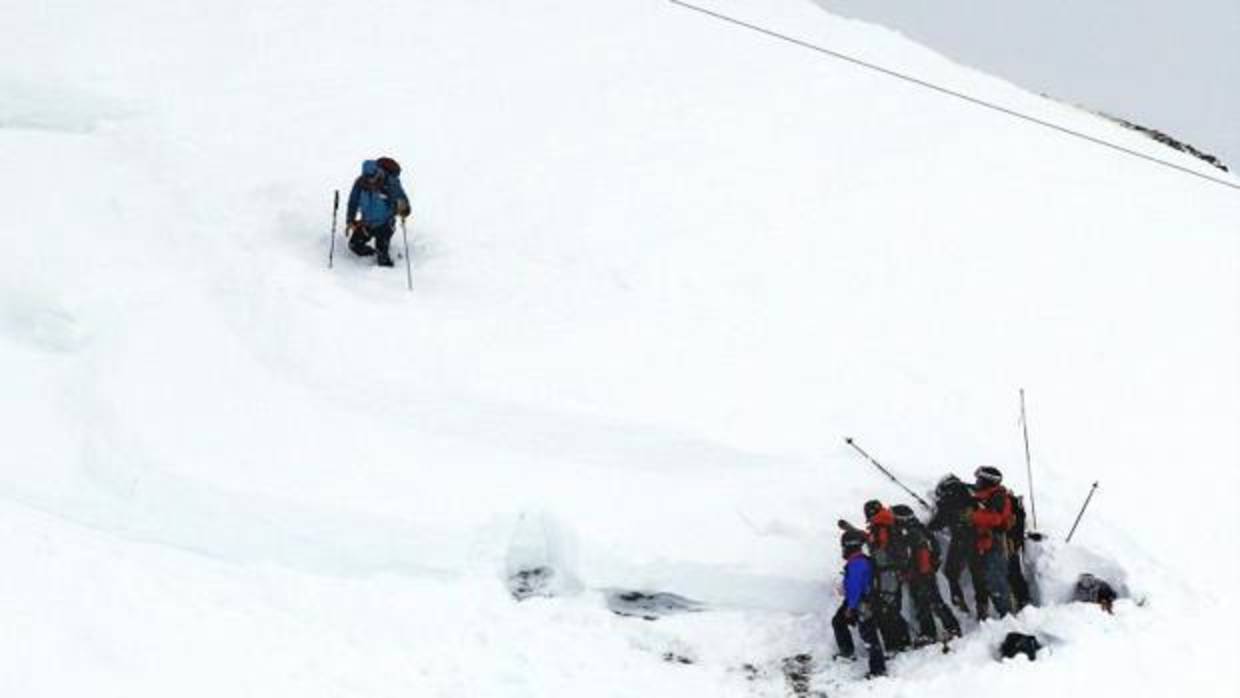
650	605
533	582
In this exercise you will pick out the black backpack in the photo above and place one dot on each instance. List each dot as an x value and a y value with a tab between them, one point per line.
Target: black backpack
936	549
1016	534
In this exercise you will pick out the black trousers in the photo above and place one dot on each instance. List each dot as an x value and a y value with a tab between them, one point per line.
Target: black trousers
1016	580
869	635
382	235
890	620
928	603
961	554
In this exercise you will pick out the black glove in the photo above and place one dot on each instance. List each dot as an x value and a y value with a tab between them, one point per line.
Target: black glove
850	616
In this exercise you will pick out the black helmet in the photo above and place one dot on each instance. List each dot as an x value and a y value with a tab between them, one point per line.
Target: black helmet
946	484
871	508
988	476
853	539
904	514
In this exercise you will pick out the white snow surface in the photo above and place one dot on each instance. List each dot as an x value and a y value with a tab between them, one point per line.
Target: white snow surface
662	266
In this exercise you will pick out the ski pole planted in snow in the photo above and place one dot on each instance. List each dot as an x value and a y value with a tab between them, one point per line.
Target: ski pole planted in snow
1024	425
1083	507
848	440
408	269
331	250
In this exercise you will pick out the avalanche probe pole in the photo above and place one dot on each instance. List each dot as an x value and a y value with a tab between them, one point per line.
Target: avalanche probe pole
408	269
1078	516
331	250
848	440
1024	425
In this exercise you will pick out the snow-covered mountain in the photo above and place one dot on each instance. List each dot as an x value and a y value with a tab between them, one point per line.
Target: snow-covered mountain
661	267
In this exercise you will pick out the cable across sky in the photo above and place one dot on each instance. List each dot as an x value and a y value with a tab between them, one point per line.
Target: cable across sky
953	93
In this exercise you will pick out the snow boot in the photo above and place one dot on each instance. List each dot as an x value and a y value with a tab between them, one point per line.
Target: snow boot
384	260
361	250
923	641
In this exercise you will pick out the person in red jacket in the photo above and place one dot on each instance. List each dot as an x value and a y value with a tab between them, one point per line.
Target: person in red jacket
890	560
992	517
922	576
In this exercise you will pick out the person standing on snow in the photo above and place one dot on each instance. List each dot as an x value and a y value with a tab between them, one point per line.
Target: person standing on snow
378	196
992	518
857	607
890	560
952	498
922	577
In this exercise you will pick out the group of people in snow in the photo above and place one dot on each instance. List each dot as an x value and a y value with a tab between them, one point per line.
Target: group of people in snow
379	198
984	526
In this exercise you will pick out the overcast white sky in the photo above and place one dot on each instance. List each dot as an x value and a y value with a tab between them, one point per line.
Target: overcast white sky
1173	65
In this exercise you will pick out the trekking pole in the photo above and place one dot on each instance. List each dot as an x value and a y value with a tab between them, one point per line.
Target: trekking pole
331	250
408	267
848	440
1083	507
1024	425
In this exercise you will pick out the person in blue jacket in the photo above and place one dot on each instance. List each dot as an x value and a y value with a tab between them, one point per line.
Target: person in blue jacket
378	196
857	608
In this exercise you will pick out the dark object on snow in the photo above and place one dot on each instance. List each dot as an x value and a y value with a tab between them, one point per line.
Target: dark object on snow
1091	589
799	672
673	658
650	605
532	582
1016	643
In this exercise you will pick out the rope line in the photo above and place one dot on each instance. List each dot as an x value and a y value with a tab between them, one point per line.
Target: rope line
952	93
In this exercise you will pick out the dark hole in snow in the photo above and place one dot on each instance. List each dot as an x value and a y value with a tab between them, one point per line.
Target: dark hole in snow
532	582
650	605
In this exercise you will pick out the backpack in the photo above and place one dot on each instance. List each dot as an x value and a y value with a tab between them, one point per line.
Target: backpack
389	165
1017	529
936	549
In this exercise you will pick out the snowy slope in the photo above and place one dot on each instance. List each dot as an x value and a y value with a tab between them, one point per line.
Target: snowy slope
661	267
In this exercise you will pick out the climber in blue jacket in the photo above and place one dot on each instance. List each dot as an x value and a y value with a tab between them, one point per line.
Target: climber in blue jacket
378	196
857	608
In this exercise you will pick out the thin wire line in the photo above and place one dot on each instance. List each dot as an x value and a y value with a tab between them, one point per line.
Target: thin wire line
953	93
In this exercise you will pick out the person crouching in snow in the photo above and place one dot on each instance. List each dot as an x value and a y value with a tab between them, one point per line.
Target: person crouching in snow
858	605
378	196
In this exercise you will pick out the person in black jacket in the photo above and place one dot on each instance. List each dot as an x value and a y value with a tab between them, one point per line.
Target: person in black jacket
952	498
